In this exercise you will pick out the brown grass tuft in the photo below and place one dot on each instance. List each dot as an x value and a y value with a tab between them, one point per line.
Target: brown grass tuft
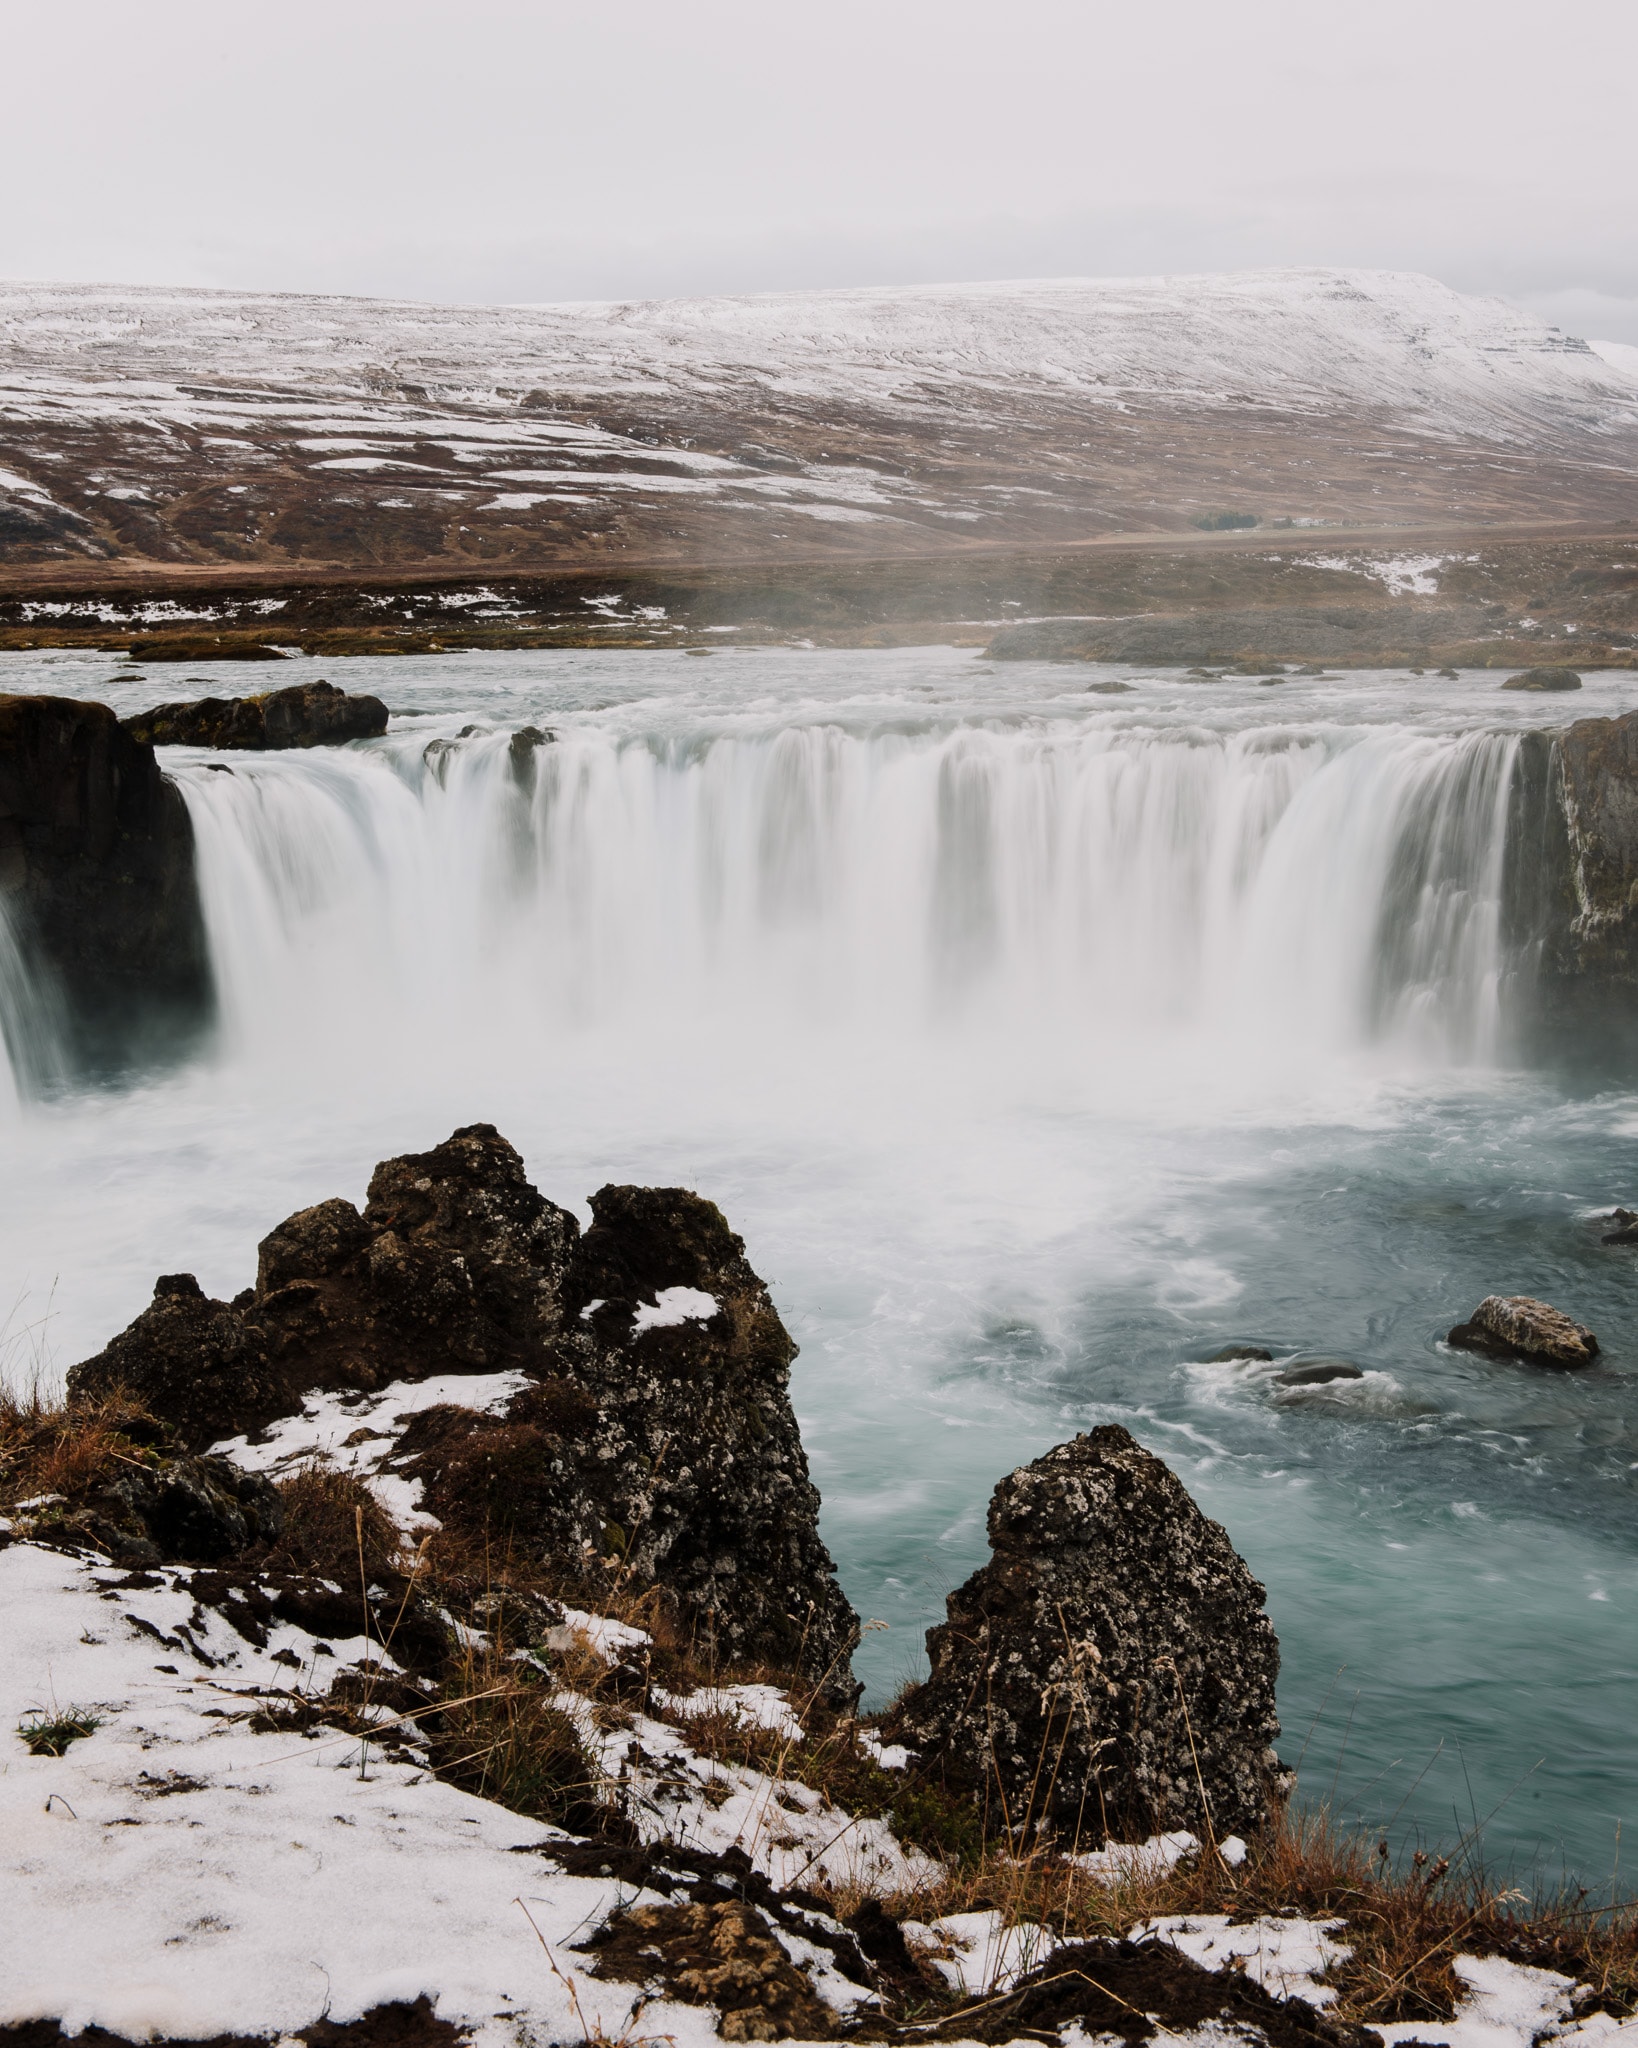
334	1527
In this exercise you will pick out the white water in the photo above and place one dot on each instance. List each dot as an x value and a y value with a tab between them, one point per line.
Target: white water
1039	1044
1292	895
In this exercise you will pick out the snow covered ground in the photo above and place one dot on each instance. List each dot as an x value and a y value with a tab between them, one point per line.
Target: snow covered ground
789	417
190	1868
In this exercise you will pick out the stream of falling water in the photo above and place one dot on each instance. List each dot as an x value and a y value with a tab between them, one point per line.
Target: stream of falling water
1039	1044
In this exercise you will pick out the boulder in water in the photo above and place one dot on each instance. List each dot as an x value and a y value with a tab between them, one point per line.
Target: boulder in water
1517	1326
1232	1354
1317	1372
97	882
1544	679
1110	1672
304	715
650	1441
1626	1227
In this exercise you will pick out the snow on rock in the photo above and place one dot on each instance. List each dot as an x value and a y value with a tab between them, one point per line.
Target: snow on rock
892	1756
359	1433
1286	1957
1510	2005
752	1706
610	1639
980	1953
177	1873
790	1832
1119	1860
674	1306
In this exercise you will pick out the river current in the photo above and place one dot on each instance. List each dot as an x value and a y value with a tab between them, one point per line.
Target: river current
1040	1043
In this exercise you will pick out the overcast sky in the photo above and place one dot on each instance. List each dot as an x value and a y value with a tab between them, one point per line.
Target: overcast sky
489	149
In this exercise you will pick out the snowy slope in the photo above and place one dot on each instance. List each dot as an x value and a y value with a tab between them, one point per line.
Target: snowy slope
131	419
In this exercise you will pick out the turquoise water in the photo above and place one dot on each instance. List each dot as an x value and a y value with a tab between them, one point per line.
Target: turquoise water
1039	1045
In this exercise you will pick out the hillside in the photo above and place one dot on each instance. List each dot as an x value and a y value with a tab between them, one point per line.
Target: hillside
216	428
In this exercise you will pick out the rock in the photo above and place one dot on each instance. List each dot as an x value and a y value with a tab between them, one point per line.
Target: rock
723	1954
1232	1352
304	715
1111	1668
653	1441
1570	889
1544	679
178	1510
1317	1372
1109	689
97	881
1449	675
202	647
1626	1227
1516	1326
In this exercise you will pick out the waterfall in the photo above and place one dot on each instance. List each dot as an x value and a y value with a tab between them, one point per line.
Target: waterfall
1328	889
31	1061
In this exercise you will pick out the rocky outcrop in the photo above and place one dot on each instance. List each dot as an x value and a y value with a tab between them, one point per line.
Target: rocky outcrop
1544	679
1570	891
172	1510
1516	1326
97	884
651	1442
304	715
1110	1672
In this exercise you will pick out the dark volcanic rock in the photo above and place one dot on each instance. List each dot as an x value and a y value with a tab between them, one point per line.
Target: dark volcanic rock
1570	891
1110	1665
1515	1326
1626	1227
1230	1353
202	647
1317	1372
182	1510
97	882
1544	679
304	715
652	1442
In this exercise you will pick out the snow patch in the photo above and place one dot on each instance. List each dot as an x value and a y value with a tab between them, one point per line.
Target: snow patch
674	1306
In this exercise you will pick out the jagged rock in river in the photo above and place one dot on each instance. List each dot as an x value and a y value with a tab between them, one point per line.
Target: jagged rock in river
97	882
1544	679
304	715
651	1439
1111	1668
1516	1326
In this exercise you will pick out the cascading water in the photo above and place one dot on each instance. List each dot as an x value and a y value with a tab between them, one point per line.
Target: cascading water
1039	1045
1099	885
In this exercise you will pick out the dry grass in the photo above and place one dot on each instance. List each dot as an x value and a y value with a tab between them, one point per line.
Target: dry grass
47	1448
497	1732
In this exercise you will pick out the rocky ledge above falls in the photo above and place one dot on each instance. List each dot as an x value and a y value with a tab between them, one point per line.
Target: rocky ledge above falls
303	715
630	1419
97	884
1570	893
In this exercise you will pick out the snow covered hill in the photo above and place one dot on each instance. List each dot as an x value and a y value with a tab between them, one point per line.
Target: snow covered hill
215	426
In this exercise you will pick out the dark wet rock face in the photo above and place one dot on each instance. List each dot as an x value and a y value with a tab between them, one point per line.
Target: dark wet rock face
1570	892
1111	1670
1317	1372
652	1441
97	882
1516	1326
304	715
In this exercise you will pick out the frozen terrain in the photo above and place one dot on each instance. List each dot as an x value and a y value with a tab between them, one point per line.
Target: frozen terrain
198	426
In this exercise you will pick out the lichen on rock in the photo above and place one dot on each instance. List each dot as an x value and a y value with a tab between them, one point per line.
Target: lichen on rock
1110	1673
650	1444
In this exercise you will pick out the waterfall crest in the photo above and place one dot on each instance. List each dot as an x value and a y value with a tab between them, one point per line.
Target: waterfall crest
1102	885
